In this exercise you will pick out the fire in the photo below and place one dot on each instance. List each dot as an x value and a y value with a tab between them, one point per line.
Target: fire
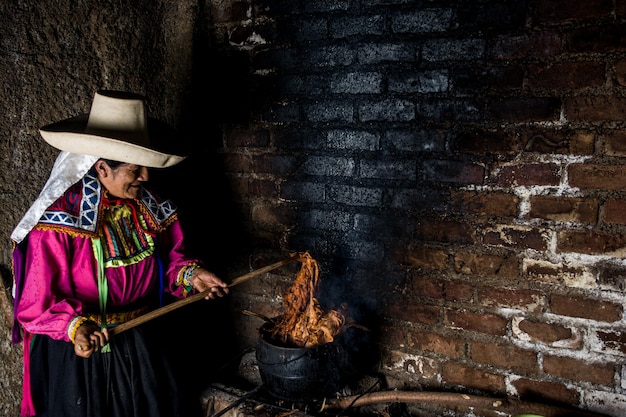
304	323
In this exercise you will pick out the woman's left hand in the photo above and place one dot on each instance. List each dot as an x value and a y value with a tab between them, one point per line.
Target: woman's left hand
203	280
90	339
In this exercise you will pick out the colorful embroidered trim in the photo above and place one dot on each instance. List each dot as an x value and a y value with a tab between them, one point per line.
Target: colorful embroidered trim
74	325
78	211
118	318
188	275
125	236
77	207
185	277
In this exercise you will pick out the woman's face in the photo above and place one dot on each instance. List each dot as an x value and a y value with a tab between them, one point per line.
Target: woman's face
122	181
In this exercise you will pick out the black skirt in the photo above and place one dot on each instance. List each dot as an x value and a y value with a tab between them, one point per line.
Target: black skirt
134	379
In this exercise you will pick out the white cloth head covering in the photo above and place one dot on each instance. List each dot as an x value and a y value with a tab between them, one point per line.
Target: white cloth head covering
68	169
117	127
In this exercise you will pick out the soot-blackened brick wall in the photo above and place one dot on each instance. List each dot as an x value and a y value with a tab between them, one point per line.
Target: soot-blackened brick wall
458	169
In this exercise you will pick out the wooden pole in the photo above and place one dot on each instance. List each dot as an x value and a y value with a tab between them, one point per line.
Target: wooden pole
195	297
459	401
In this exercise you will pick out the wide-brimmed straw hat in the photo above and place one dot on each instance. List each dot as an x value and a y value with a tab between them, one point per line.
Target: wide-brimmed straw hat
117	128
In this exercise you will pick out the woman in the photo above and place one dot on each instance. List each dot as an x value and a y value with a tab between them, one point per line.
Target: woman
96	249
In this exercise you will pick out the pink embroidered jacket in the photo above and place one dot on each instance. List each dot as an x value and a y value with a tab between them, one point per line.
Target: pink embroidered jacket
57	266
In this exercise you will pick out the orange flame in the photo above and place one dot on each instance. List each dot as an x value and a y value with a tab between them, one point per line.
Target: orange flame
304	323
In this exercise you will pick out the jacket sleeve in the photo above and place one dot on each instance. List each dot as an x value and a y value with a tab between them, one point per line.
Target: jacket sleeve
175	260
49	298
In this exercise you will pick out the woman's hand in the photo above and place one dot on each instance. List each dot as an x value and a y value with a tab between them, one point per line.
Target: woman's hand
89	339
203	280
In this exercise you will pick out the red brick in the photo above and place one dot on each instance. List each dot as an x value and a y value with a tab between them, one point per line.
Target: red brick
615	211
454	373
506	357
564	209
440	289
435	343
485	204
486	265
445	231
619	72
589	308
477	322
613	143
579	370
458	291
581	143
534	109
516	237
393	336
560	274
425	285
423	257
566	75
595	108
528	174
577	142
599	177
589	242
612	342
411	312
541	391
547	333
529	300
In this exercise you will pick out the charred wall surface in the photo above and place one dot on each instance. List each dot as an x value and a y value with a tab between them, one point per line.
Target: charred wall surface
457	168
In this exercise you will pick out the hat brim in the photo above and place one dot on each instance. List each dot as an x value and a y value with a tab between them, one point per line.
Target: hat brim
69	135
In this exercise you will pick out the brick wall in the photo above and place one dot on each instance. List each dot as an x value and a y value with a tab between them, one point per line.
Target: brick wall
458	170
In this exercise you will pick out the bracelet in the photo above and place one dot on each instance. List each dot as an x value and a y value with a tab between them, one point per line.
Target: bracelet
188	274
74	325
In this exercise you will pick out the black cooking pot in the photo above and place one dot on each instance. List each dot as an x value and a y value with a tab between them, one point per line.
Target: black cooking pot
298	374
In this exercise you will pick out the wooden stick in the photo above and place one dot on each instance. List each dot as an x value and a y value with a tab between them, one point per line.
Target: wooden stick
195	297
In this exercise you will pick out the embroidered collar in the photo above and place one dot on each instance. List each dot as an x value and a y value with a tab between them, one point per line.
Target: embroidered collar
79	207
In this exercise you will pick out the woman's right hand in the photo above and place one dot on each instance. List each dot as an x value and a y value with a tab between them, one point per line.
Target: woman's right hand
89	339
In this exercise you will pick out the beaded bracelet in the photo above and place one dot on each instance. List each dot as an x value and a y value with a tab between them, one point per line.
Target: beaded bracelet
74	325
188	274
185	276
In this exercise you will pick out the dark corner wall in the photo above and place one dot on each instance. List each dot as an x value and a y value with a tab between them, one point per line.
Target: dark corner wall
54	56
457	168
